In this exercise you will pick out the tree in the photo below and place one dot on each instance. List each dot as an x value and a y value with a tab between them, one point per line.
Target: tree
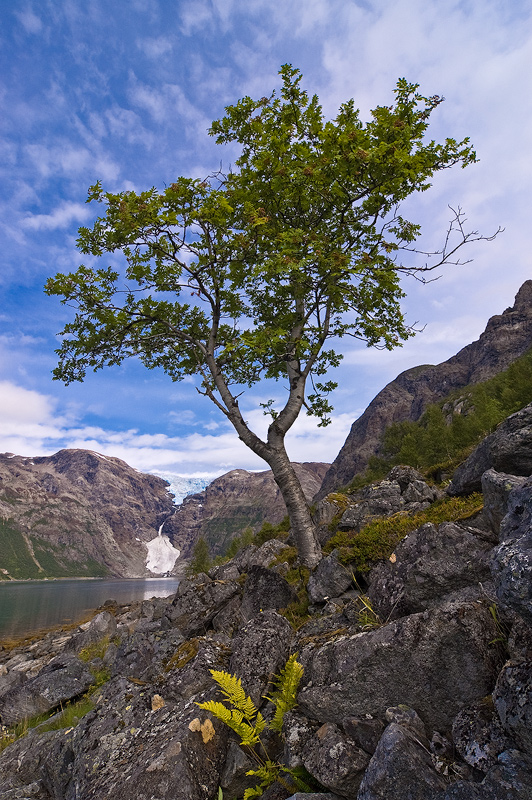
248	275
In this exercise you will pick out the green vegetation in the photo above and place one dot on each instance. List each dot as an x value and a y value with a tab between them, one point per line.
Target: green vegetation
15	556
241	715
448	430
378	538
55	565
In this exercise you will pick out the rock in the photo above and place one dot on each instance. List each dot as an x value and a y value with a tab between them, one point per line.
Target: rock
400	769
194	608
64	678
365	733
496	488
478	735
377	500
510	779
407	718
21	764
335	760
436	662
508	449
265	590
102	626
513	701
430	563
124	749
260	650
511	567
263	556
234	780
329	579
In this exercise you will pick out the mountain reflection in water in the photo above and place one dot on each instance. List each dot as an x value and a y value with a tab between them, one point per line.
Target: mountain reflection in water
30	606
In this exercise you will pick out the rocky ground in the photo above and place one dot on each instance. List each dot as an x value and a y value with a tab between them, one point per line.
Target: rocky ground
417	681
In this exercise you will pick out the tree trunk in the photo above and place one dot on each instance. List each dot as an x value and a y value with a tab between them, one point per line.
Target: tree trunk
303	528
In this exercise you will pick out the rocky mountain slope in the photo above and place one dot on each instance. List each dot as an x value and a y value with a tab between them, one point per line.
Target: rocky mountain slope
421	688
81	514
78	513
233	502
507	336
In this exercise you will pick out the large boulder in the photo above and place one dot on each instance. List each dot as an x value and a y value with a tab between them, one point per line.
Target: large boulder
511	563
400	769
260	650
64	678
430	563
265	590
197	603
329	579
436	662
132	748
508	449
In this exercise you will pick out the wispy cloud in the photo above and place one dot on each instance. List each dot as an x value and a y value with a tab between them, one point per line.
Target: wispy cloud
60	217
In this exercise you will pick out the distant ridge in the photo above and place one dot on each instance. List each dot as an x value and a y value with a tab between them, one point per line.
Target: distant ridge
507	337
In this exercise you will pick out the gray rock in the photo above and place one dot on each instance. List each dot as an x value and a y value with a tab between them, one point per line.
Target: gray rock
478	735
260	650
400	769
21	763
496	488
510	779
197	604
508	449
407	718
265	590
377	500
64	678
297	732
314	796
512	697
335	760
429	564
365	733
252	556
436	662
124	749
234	780
511	567
329	579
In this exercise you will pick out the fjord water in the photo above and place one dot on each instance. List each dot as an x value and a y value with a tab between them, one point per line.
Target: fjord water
30	606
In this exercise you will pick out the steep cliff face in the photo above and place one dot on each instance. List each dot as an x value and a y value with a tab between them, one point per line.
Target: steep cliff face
234	502
507	336
77	513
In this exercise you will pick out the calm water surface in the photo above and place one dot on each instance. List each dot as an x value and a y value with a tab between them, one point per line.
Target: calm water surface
29	606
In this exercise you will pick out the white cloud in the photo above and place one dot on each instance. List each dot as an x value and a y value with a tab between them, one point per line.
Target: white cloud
156	47
29	20
61	217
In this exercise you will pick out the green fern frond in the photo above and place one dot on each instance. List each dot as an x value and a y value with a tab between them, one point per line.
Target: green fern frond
231	687
234	719
284	696
267	774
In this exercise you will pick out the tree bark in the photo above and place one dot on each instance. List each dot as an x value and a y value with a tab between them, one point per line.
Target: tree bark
303	528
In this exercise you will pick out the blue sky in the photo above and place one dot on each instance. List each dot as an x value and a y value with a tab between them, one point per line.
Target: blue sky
124	92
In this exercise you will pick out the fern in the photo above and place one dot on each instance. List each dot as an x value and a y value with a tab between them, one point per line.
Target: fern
243	717
284	697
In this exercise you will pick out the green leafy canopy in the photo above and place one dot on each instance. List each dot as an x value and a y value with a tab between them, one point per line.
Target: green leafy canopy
247	275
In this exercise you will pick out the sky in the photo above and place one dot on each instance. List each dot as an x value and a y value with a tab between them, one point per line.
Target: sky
124	92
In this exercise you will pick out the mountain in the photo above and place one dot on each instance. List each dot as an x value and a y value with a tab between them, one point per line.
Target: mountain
232	503
507	336
80	514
